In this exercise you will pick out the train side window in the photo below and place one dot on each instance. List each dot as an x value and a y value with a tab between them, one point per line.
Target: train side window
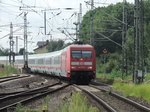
48	61
86	54
56	60
40	61
31	61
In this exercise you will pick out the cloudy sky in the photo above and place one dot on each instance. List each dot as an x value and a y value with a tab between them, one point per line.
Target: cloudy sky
58	18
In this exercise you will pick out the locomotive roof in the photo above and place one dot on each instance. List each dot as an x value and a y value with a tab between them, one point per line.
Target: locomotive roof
82	45
55	53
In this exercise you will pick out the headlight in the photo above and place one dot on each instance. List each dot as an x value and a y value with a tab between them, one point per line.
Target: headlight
89	67
73	67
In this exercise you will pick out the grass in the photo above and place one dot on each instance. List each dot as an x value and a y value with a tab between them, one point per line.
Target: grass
21	108
129	89
7	70
78	103
42	108
147	78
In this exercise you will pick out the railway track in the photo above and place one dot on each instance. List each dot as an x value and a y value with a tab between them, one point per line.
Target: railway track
25	97
110	101
9	78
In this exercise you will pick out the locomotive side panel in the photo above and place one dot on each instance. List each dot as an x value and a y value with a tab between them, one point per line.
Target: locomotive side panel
68	64
64	63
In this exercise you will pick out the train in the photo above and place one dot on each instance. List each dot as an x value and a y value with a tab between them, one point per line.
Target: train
76	63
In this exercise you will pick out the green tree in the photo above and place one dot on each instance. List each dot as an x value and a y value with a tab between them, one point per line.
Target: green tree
55	45
4	52
107	21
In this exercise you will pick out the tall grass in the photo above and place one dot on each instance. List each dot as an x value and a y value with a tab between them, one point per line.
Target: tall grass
78	103
147	77
21	108
129	89
7	70
42	108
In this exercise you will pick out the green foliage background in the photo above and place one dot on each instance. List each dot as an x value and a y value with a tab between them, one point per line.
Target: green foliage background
107	21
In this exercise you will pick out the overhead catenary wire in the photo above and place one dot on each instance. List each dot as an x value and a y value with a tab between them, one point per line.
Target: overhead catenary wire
13	32
112	16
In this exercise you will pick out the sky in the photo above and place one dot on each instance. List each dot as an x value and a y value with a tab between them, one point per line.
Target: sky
57	16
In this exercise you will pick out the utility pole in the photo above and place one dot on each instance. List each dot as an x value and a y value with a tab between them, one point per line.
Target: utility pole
92	23
124	40
76	24
80	20
138	74
11	54
16	45
25	42
45	21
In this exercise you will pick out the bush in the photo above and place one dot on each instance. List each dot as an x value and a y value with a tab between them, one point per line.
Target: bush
78	103
113	63
7	71
129	89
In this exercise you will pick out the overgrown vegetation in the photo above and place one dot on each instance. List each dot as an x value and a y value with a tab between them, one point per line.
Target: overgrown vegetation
7	70
42	108
129	89
106	23
78	103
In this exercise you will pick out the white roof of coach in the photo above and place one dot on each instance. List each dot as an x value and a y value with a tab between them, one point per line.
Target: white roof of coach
3	57
51	54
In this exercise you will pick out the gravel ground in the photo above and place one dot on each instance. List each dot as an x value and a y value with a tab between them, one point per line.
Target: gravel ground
136	99
139	100
24	84
57	99
119	105
54	100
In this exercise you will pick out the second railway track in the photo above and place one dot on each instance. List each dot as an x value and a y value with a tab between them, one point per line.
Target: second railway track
112	102
5	79
26	97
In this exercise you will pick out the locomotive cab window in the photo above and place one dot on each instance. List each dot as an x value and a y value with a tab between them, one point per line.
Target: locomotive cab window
81	54
76	54
86	54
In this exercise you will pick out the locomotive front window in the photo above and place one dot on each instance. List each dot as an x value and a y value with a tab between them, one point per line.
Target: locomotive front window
86	54
81	54
76	54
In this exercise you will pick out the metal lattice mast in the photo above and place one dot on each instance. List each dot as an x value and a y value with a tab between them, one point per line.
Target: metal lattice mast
124	40
11	56
80	20
16	45
25	42
138	42
45	21
92	23
141	33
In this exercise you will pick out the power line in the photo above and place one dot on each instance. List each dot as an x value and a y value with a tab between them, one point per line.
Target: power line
109	39
11	5
13	32
111	16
